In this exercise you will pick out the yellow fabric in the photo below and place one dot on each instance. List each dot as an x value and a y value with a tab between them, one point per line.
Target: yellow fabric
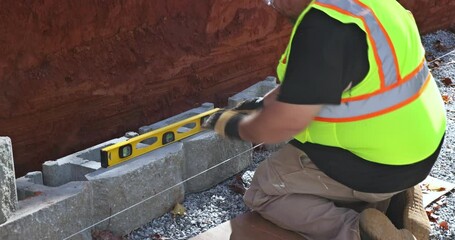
403	136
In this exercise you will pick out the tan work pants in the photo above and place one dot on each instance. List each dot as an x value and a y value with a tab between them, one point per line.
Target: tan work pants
290	191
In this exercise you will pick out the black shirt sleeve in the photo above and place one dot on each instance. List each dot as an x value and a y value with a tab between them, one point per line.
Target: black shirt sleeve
326	55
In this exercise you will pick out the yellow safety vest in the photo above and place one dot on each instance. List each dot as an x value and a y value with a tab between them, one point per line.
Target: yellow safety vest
395	115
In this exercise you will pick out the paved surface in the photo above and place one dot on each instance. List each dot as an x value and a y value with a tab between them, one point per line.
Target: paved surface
249	226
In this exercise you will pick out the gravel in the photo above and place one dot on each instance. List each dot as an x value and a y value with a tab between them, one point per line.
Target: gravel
210	208
204	210
438	44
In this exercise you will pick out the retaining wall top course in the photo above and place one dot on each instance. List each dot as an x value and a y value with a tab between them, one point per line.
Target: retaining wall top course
74	167
257	90
77	192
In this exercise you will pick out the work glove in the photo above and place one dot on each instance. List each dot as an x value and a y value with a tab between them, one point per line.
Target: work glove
250	105
225	123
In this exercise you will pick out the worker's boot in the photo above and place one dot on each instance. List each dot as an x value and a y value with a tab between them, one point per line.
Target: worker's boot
374	225
415	218
406	210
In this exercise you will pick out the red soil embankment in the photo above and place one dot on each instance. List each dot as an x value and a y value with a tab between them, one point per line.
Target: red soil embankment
432	15
77	73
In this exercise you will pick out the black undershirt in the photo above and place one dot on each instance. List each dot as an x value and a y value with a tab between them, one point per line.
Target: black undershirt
326	56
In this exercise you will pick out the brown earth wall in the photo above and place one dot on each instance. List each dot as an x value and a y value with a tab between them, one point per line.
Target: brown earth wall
77	73
432	15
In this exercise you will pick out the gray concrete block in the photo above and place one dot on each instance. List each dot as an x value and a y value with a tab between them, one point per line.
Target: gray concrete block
8	195
257	90
74	167
55	213
156	173
79	194
24	185
56	173
35	177
118	198
207	149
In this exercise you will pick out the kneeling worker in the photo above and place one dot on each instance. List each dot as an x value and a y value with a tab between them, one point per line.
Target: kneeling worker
365	117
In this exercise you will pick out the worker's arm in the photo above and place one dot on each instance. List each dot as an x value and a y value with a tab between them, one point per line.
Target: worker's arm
271	96
276	122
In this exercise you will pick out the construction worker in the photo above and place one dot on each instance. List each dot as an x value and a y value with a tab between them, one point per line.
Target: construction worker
365	119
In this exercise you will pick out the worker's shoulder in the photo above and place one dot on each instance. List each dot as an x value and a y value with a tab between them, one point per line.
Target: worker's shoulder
317	23
317	17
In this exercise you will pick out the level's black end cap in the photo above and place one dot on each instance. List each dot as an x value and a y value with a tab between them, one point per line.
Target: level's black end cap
104	158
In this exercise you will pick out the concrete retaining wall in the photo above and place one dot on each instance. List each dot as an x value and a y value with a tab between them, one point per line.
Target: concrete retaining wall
8	198
74	194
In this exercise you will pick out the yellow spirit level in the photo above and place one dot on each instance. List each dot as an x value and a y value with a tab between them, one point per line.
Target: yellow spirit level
144	143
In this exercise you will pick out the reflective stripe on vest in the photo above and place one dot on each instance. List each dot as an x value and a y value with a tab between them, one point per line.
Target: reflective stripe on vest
383	49
377	103
394	90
